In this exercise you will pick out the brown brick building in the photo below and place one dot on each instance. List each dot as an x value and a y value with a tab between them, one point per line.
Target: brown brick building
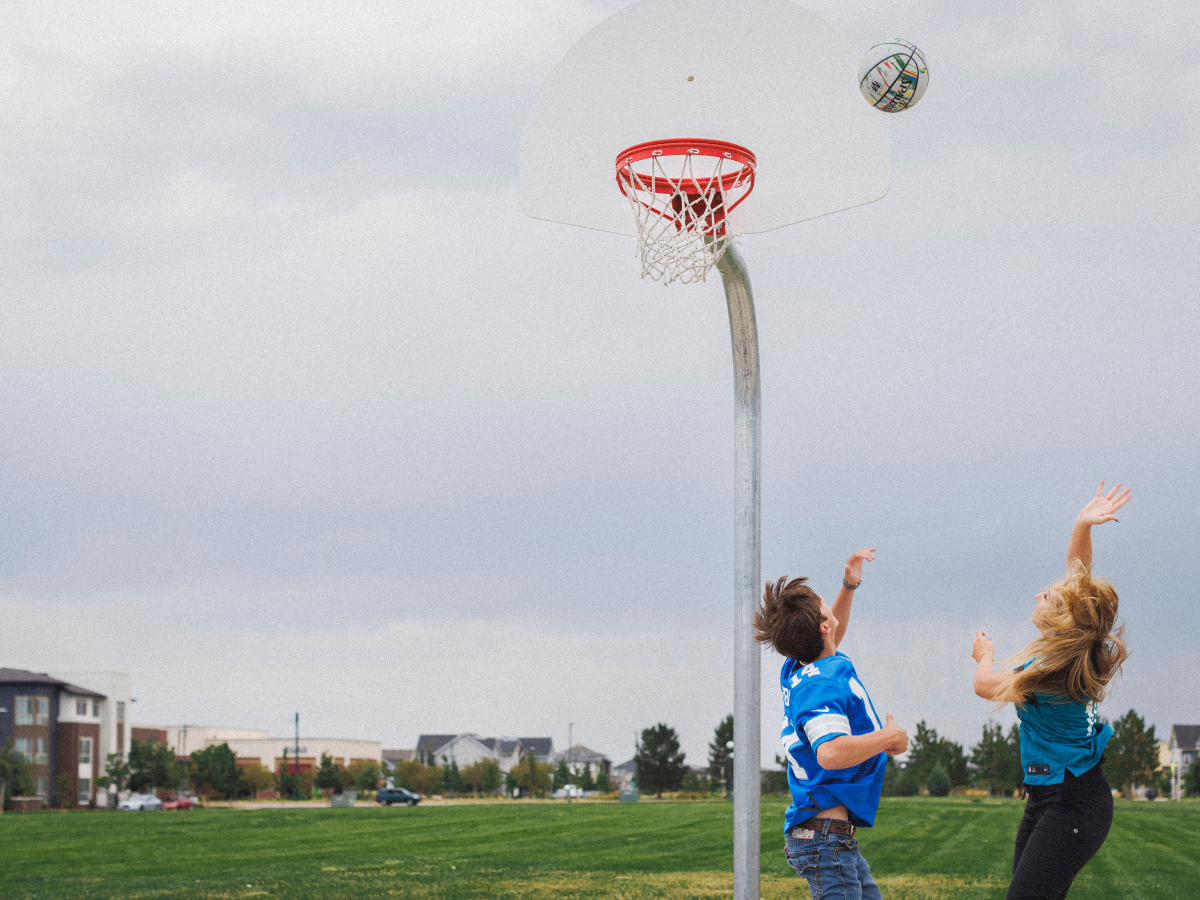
56	725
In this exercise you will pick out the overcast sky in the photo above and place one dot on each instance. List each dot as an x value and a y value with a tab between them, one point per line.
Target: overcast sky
298	412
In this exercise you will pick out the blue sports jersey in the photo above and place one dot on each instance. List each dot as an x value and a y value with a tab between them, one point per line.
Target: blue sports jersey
821	701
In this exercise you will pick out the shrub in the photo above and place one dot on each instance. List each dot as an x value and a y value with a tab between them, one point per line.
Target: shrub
938	783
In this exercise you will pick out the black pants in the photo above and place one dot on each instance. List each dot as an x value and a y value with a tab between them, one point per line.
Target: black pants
1064	825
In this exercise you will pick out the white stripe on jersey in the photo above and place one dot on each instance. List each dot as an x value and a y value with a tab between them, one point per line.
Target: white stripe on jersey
860	692
830	723
789	741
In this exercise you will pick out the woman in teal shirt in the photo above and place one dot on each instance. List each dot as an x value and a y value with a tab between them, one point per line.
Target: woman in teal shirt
1058	682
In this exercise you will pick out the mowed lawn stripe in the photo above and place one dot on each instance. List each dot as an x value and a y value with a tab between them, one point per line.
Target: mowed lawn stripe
922	848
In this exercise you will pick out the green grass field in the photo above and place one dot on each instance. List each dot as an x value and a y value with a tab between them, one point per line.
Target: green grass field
922	848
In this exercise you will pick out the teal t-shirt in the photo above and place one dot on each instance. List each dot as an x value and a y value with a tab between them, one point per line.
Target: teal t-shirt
1057	737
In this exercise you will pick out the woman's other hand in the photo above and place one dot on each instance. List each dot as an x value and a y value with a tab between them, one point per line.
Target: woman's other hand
983	645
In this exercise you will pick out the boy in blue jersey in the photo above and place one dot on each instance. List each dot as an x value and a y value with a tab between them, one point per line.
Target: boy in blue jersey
836	746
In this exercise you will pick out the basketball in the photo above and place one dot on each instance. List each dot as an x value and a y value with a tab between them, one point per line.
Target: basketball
893	76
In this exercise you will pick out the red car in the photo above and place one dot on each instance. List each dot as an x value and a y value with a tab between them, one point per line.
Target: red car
180	803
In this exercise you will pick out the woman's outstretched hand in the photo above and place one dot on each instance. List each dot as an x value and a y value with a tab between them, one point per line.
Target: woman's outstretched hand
854	565
1103	507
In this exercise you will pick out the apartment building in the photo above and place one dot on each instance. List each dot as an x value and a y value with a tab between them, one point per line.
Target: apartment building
58	726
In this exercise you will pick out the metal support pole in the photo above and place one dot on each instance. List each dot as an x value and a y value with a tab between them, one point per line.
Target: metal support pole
747	536
296	762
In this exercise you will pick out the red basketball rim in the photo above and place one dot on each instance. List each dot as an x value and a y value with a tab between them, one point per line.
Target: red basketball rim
690	147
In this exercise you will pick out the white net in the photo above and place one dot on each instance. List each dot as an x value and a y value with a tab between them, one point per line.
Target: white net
680	200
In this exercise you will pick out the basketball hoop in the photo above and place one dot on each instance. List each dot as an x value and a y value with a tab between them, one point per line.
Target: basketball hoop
681	192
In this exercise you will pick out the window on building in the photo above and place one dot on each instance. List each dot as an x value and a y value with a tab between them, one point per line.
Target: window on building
41	707
25	746
96	709
85	751
85	791
1187	759
81	707
24	710
41	757
120	710
43	787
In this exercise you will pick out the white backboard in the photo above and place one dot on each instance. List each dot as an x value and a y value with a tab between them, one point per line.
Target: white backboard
765	74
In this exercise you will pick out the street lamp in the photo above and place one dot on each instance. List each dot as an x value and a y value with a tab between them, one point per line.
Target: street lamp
729	770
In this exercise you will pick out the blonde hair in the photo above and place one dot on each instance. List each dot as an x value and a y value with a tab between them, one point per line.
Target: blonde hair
1081	646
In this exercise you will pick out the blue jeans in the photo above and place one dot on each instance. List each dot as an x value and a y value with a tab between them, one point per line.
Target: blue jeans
832	865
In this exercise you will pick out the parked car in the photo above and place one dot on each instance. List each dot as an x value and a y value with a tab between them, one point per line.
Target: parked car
572	791
389	795
183	801
140	801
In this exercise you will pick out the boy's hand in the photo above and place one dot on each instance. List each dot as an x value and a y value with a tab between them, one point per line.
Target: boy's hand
896	737
854	565
1103	507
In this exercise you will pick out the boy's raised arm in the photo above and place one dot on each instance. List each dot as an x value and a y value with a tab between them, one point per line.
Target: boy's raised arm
845	597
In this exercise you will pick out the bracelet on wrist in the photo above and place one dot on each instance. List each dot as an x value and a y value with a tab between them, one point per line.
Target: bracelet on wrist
851	587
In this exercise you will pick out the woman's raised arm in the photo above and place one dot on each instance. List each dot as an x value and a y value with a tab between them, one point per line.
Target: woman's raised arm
1100	509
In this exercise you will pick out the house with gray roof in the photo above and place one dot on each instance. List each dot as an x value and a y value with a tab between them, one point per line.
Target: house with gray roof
1184	749
579	757
467	749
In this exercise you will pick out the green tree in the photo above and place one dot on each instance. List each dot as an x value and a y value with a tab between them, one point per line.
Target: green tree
603	782
330	776
718	753
562	775
116	773
452	780
531	776
1132	753
1163	783
483	776
927	750
416	776
890	775
258	778
363	776
997	760
63	797
152	765
775	781
938	783
1191	779
214	770
583	777
659	760
16	775
907	784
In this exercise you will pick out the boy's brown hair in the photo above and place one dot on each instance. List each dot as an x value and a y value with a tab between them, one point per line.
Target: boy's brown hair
790	620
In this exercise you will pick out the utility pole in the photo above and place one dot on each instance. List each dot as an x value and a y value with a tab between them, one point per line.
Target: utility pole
183	756
570	755
296	762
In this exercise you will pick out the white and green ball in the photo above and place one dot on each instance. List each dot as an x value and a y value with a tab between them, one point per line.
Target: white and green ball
893	76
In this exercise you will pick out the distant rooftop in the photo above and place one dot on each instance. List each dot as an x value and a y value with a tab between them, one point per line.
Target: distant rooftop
23	676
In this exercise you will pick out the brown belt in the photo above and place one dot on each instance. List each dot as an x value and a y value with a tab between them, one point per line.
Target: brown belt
836	826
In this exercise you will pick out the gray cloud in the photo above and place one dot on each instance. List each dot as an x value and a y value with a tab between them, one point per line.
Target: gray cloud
279	347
